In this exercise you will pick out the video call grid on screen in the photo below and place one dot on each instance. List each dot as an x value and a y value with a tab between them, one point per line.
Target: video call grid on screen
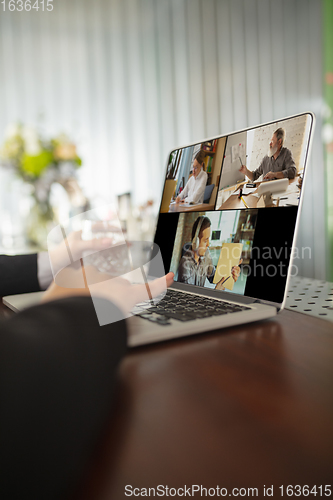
221	183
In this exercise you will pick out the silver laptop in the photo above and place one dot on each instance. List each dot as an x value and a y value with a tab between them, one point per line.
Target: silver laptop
228	241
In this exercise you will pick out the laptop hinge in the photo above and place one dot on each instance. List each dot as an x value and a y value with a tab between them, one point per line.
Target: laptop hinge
267	303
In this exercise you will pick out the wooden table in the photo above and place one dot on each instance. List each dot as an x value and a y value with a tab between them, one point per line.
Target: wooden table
244	407
186	207
233	202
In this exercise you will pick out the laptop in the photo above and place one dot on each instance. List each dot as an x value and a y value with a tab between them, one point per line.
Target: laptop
232	256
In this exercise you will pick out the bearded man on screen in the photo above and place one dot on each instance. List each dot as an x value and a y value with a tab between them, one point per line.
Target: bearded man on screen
277	164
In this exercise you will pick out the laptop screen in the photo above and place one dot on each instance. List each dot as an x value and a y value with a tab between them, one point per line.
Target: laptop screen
229	209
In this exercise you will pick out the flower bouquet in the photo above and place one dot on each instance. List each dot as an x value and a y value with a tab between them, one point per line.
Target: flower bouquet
42	162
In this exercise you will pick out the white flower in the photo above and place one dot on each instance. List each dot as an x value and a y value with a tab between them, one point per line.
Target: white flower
12	130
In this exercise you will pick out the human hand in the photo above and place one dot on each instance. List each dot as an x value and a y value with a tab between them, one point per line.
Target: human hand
178	199
270	175
219	285
235	271
118	290
243	170
78	246
73	247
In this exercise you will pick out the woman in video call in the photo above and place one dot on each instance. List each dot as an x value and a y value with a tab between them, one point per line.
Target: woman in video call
195	186
196	264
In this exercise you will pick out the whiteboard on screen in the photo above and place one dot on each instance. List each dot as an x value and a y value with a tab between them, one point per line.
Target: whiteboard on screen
234	155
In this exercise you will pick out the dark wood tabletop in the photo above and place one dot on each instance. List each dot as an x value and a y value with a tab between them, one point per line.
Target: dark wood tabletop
246	407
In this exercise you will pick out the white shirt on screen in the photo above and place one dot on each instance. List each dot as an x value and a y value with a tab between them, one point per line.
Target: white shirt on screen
195	188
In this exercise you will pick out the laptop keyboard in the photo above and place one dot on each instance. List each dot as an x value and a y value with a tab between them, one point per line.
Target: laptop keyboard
184	306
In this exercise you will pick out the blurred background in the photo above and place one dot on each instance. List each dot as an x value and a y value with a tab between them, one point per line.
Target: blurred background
95	94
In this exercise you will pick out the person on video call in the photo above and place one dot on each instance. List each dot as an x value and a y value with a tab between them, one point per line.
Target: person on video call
196	264
277	164
195	186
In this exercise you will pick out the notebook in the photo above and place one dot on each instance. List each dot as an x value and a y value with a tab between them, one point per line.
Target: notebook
230	257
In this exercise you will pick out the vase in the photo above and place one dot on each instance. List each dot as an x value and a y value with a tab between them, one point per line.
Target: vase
169	189
40	222
14	210
62	200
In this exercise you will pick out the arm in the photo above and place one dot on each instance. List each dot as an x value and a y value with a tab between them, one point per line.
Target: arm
290	167
18	274
258	171
275	175
32	272
199	189
235	272
185	271
57	384
184	193
210	267
246	172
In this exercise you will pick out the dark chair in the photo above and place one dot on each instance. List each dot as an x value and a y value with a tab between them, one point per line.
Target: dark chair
208	192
